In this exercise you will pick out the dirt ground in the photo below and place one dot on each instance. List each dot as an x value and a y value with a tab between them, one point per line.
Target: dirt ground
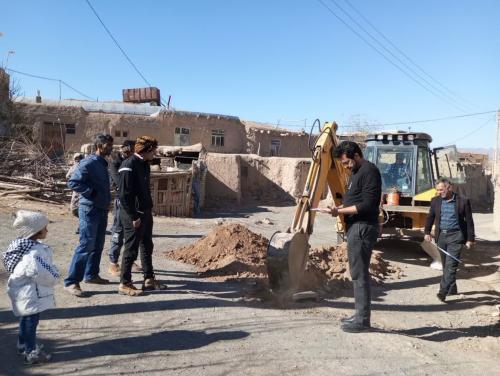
201	326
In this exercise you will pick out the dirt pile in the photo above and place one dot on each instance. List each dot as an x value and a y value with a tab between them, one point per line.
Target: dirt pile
229	250
329	265
233	251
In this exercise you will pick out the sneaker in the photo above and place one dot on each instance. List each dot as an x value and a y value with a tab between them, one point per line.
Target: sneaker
355	327
153	284
74	290
97	281
348	319
21	349
114	270
129	289
36	356
136	268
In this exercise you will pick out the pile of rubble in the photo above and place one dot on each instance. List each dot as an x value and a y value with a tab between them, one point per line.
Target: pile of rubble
234	252
27	172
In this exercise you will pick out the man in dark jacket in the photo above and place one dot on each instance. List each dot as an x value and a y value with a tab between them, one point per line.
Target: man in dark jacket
451	216
136	216
126	150
360	208
91	181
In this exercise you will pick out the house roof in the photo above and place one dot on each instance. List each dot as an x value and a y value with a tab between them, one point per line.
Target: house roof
115	107
268	127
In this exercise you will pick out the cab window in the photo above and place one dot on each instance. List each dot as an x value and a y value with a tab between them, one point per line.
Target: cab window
396	167
424	175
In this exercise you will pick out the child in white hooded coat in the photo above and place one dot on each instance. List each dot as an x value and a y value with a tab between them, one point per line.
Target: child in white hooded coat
32	279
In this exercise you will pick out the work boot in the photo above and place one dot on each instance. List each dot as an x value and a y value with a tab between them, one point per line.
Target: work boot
114	269
97	281
136	268
152	284
348	319
355	327
129	289
74	290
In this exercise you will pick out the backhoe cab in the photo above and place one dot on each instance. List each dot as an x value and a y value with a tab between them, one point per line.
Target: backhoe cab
409	169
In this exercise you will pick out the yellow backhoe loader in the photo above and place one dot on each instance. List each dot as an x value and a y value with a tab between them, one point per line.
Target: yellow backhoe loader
408	167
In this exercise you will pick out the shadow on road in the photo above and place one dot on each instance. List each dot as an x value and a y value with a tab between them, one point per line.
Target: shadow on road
438	334
169	340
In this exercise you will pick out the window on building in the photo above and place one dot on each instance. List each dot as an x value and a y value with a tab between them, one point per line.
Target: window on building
275	148
70	129
218	137
125	133
181	137
118	133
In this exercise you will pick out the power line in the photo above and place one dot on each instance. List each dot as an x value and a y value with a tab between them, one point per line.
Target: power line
387	58
409	122
120	47
53	80
118	44
451	92
424	121
472	132
409	68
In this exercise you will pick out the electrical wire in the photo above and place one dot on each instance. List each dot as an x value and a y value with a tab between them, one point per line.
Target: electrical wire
120	47
472	132
409	68
386	57
422	121
410	122
444	87
51	79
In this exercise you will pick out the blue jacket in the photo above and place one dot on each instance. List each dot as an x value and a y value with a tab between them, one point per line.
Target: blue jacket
91	181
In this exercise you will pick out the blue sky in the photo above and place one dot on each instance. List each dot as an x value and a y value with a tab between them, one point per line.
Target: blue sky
270	60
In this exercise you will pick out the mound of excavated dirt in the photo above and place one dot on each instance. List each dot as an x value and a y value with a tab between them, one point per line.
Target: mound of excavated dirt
326	265
229	250
233	251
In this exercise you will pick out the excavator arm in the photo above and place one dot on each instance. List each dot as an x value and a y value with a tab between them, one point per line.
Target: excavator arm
287	252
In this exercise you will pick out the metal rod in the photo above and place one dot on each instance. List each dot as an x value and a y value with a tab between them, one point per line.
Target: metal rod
448	254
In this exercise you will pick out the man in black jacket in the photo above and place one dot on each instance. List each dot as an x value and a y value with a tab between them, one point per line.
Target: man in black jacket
136	216
451	215
126	150
360	209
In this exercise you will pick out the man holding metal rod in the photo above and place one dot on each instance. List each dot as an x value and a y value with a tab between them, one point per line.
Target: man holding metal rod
451	215
360	209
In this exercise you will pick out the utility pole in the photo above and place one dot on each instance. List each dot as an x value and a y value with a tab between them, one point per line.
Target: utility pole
497	146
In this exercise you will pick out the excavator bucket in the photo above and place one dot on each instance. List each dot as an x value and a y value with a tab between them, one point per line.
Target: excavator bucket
286	260
287	252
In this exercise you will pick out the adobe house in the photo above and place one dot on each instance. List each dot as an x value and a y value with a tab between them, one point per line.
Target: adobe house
64	125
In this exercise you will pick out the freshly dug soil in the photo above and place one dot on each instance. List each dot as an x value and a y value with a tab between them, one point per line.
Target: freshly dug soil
229	250
329	265
233	251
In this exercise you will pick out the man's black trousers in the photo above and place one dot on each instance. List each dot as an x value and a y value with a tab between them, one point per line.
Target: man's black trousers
452	243
361	237
133	238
